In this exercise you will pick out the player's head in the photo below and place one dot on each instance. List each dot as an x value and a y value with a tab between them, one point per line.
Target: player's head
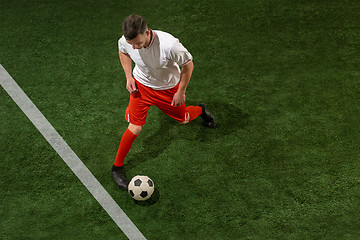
136	31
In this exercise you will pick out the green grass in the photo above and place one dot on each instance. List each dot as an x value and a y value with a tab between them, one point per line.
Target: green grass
281	77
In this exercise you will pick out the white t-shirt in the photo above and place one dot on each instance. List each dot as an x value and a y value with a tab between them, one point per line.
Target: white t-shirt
157	66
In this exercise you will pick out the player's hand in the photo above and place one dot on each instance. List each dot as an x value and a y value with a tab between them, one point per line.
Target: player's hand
131	85
178	99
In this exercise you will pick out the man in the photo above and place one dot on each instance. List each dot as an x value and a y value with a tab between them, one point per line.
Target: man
155	80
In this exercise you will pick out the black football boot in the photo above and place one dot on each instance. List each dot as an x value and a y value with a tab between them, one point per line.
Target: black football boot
207	116
119	178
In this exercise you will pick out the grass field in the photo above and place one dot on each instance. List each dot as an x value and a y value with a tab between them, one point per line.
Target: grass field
281	77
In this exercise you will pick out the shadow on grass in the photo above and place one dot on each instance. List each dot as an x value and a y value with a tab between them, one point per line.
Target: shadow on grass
154	144
152	200
229	118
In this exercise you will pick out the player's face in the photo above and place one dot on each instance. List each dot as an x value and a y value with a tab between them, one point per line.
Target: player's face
141	40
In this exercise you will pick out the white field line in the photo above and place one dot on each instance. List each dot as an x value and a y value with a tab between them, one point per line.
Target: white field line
69	157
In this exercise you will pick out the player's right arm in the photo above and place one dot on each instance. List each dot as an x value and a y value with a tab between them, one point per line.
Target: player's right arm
126	64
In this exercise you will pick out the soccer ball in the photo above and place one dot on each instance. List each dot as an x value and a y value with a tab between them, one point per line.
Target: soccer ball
141	188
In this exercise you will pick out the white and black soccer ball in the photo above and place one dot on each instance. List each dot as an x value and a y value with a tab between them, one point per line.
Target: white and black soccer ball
141	188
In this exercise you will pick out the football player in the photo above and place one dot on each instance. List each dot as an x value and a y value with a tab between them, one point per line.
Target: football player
163	68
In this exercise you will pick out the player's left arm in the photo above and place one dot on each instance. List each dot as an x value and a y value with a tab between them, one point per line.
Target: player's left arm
185	75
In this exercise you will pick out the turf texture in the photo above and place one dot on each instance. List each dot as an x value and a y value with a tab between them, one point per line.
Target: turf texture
281	77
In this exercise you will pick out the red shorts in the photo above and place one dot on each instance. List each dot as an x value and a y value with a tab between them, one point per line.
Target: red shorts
145	97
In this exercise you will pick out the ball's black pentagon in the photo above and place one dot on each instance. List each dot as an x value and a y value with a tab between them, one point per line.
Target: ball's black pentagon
131	193
137	182
143	194
150	183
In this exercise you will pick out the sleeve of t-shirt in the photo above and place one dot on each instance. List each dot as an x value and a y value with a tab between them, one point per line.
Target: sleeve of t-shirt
121	46
180	54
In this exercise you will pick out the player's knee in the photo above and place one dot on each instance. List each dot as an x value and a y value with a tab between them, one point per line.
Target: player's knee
135	129
187	119
184	122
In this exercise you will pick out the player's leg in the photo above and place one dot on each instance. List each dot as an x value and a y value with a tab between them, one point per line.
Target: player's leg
126	142
182	113
191	113
136	116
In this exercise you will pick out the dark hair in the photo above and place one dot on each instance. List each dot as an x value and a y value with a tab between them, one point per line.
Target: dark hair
133	25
